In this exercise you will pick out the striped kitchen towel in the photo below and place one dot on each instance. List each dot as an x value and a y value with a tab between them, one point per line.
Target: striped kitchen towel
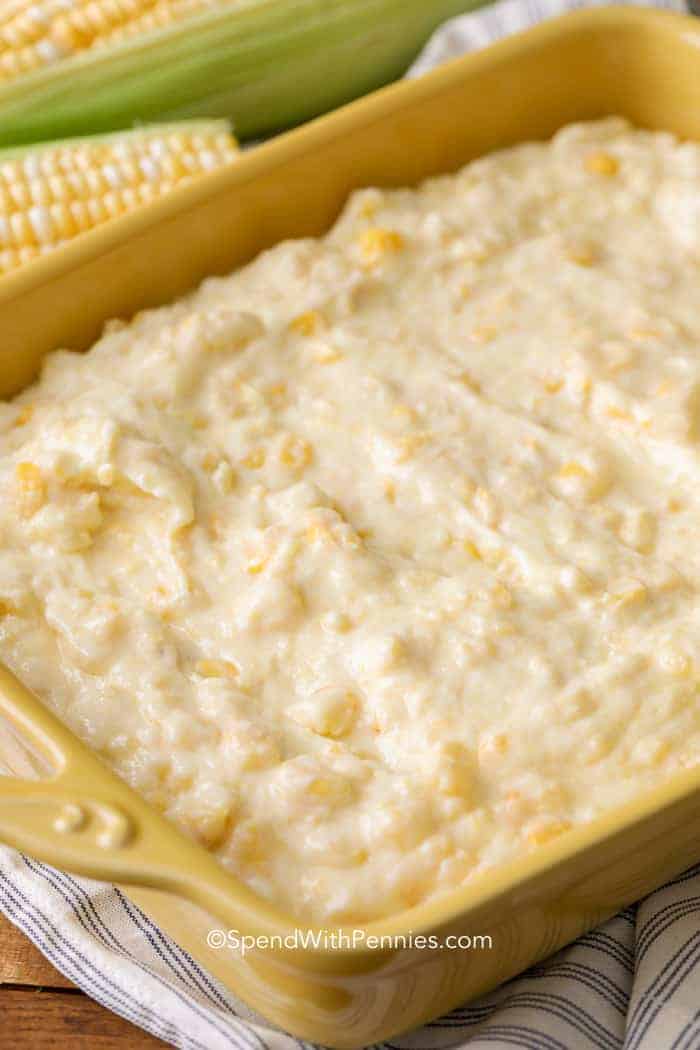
633	984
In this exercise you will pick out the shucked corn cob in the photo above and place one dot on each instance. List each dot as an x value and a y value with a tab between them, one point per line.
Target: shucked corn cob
73	67
50	193
36	33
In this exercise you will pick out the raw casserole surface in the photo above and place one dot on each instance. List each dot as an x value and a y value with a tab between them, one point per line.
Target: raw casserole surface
374	564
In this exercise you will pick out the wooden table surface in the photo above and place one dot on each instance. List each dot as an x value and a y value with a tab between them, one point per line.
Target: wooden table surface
40	1009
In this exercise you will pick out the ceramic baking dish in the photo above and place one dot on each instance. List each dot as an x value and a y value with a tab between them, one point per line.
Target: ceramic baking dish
644	65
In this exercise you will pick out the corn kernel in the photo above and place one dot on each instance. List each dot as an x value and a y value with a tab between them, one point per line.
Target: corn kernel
502	597
493	745
255	459
28	473
196	420
642	335
581	254
249	842
577	703
484	334
336	623
602	164
224	477
216	669
472	549
596	748
330	712
650	752
674	661
486	506
478	251
546	832
32	488
409	445
574	579
493	556
24	415
256	566
368	208
211	827
349	538
638	530
377	242
296	453
307	323
328	355
276	391
468	380
404	412
572	469
465	488
615	412
453	772
317	533
626	593
618	357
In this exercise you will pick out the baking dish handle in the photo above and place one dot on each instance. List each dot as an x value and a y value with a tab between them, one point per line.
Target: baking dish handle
86	820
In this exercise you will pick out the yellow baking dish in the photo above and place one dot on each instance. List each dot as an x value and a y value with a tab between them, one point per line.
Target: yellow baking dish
642	64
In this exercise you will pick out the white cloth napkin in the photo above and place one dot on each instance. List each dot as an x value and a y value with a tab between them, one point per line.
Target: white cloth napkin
633	984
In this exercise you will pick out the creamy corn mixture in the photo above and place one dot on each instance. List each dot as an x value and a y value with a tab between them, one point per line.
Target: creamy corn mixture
376	563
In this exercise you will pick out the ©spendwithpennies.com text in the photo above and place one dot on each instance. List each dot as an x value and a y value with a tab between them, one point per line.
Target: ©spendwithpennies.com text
344	940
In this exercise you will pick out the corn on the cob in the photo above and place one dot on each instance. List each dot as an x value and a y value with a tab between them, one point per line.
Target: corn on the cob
73	67
36	33
52	192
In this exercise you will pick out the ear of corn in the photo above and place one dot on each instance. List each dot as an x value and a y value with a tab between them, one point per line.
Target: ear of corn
52	192
84	66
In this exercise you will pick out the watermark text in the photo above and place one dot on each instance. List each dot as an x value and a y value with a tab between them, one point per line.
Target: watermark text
344	940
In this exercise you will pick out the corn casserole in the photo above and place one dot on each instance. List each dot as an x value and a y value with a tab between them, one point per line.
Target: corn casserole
372	565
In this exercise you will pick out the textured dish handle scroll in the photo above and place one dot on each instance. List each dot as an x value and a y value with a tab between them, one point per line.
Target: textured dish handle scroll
38	812
86	820
79	817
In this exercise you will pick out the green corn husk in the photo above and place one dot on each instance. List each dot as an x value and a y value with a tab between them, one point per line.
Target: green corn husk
263	64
